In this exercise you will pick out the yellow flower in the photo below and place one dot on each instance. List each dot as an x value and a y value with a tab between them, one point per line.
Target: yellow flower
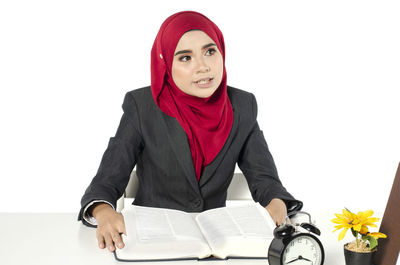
358	222
377	235
345	221
364	220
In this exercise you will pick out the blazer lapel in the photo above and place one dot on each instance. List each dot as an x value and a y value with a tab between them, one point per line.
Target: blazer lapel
180	145
210	168
181	148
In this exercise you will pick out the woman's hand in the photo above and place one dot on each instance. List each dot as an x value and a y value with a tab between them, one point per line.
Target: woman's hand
109	226
277	209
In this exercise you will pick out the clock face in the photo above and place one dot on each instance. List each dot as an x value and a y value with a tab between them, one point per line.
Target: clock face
303	250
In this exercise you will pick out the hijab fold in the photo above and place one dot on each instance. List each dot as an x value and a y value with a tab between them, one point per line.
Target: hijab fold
206	121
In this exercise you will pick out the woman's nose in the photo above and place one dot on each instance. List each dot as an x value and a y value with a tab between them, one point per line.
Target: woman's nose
202	66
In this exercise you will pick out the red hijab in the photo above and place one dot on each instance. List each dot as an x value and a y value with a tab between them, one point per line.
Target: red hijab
206	121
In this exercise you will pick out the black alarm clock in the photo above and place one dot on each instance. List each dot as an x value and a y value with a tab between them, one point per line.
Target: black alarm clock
296	244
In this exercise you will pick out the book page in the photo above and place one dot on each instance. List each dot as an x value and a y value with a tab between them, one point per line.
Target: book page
237	231
157	233
152	224
253	221
157	223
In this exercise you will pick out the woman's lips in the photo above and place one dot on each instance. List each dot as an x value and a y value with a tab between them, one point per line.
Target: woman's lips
204	83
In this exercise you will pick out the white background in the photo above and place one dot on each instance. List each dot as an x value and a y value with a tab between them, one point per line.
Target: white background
325	75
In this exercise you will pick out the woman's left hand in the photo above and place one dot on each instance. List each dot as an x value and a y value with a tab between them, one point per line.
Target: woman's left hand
277	209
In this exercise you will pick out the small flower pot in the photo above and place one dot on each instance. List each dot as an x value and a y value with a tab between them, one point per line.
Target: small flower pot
358	258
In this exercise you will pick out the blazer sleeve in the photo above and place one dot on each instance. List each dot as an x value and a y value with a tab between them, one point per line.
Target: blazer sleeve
118	160
258	166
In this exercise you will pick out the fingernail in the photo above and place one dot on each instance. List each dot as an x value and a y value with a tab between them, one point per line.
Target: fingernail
120	245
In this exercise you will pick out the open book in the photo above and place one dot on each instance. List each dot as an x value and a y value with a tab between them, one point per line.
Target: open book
164	234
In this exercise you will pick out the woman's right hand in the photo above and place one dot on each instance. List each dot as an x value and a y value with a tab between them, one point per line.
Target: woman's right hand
109	226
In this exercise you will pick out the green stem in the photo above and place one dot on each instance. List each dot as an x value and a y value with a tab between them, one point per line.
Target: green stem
357	239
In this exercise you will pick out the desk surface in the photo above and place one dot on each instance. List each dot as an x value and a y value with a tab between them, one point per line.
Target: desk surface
58	238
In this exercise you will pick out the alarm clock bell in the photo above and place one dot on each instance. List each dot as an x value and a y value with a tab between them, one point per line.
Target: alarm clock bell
296	244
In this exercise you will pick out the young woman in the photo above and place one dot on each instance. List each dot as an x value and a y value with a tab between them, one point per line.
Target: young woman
185	133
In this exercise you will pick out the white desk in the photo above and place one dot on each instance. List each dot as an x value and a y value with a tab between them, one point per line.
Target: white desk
58	238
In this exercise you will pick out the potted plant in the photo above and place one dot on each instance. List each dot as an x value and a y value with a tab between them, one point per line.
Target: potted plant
361	250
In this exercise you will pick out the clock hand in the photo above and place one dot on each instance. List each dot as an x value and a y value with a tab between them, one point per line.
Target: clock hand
299	258
306	259
292	261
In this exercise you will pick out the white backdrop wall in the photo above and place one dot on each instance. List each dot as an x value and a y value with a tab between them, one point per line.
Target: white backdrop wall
325	75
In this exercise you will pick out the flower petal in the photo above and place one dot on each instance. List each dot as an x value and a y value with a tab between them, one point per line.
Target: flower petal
343	233
357	227
373	219
364	230
337	221
377	235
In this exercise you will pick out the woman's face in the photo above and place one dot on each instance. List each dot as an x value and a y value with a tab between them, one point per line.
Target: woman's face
197	67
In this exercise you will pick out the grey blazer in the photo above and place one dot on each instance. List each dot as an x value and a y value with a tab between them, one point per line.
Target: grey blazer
157	144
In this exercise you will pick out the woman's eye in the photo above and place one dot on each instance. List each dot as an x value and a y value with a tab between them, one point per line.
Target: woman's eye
184	58
210	51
